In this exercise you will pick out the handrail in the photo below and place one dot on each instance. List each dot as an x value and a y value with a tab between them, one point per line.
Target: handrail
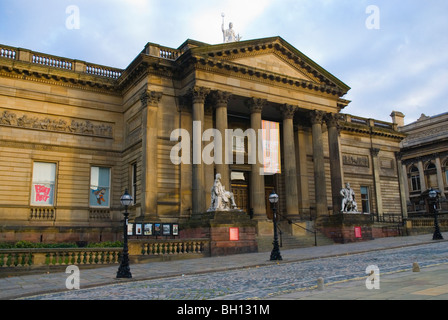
312	231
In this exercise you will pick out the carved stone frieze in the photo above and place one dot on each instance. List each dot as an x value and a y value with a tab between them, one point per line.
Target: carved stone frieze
64	125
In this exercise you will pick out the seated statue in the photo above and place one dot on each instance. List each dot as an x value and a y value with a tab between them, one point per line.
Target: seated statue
222	200
348	200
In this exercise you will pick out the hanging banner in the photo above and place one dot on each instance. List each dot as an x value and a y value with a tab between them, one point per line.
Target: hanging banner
271	147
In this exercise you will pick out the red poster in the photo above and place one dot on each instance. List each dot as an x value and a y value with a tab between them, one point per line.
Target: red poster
358	233
234	234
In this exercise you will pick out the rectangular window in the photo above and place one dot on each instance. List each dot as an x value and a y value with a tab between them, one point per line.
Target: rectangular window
99	187
365	199
134	181
43	185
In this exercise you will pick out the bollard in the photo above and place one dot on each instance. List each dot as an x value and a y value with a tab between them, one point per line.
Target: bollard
320	284
415	267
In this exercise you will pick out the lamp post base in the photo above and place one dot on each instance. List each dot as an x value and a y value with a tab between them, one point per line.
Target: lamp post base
124	272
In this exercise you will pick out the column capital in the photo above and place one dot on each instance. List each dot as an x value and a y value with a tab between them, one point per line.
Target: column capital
316	116
332	119
256	105
374	152
198	94
288	111
220	98
150	98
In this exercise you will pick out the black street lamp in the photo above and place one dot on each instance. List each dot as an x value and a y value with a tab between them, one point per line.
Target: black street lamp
275	254
124	271
433	196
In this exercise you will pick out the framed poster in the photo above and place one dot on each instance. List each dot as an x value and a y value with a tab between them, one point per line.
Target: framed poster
147	229
358	233
166	229
138	229
234	234
175	229
157	229
130	229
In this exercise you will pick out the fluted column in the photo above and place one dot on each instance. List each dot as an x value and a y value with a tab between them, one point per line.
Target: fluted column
289	152
376	180
149	101
335	160
257	192
402	185
316	118
198	95
439	172
302	172
421	172
221	100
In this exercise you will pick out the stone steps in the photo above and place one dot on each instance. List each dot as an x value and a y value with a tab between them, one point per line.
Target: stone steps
287	241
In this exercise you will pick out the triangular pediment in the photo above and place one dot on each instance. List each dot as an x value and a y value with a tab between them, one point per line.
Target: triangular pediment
271	62
273	56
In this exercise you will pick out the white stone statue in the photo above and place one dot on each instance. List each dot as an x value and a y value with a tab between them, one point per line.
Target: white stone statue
222	200
229	34
349	204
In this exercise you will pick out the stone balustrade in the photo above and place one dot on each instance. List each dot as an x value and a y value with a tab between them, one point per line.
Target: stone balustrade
25	259
20	258
43	59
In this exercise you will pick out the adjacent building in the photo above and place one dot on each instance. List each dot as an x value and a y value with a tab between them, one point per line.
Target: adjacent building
424	157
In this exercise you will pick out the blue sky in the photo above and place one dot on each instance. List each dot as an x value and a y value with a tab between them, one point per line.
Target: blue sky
401	66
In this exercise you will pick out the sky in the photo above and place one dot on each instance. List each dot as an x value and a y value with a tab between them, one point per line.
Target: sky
392	53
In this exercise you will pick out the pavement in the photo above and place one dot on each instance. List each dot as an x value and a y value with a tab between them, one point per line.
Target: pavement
430	283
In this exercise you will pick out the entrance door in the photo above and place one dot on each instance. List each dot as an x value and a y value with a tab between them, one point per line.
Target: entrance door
240	189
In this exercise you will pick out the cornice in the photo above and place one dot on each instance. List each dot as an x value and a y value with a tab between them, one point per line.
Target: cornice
57	77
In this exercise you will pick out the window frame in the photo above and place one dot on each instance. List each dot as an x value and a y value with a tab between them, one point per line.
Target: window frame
109	187
32	189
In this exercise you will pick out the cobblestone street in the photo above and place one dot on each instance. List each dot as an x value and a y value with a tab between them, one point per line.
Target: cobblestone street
264	282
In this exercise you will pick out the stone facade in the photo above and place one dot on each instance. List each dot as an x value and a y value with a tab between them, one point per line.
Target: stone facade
424	160
74	136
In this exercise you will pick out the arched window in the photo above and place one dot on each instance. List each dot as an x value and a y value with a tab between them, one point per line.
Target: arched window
414	177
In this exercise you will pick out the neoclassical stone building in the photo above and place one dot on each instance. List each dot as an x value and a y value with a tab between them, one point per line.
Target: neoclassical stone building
75	135
424	157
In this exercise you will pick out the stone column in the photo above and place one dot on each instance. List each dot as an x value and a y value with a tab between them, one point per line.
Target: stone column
302	172
186	170
289	152
402	179
316	118
257	192
376	180
198	95
221	100
440	183
421	173
335	160
150	101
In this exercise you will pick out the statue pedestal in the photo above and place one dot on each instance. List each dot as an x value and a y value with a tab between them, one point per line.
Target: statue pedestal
347	227
230	232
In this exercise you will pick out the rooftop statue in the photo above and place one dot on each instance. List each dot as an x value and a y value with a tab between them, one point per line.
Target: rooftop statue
222	200
229	34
